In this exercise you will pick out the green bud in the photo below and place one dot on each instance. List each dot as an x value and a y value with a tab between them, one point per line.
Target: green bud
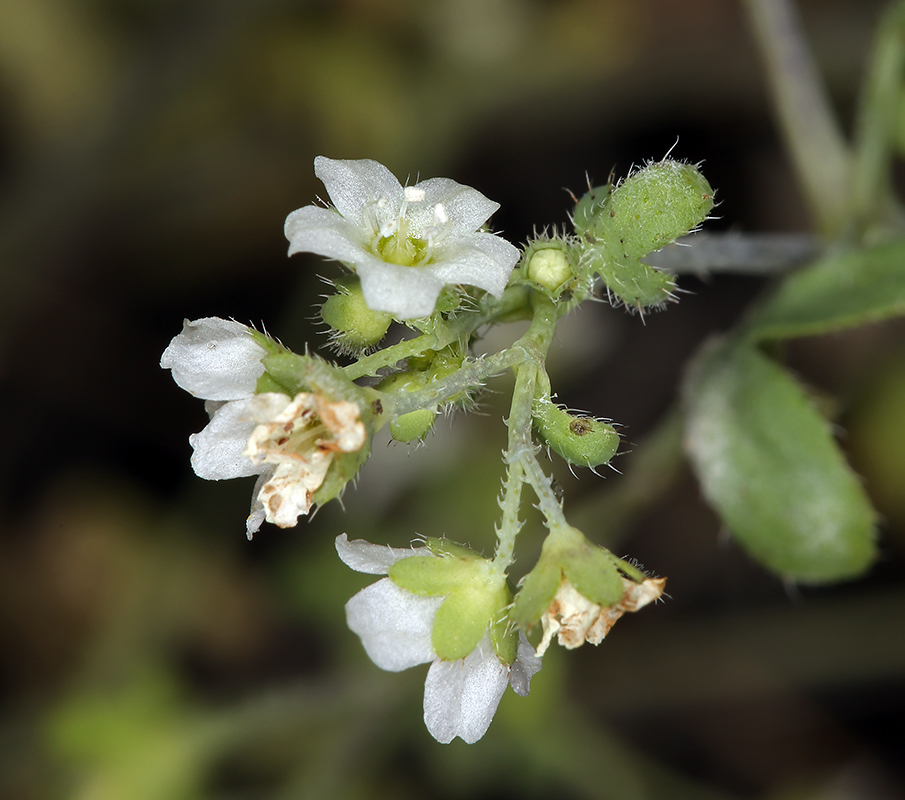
416	424
590	208
413	426
583	441
549	264
653	207
631	282
356	327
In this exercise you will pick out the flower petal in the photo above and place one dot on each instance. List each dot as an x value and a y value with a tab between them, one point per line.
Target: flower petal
466	207
323	231
374	559
525	667
481	260
405	292
355	184
461	697
218	448
257	514
215	359
394	625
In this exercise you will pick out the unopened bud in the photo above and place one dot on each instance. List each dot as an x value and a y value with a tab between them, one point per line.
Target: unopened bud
356	327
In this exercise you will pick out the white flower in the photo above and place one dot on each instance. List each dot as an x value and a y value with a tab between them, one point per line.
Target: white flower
289	443
404	243
460	697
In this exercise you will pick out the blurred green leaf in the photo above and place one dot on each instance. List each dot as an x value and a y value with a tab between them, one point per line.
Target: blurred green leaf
840	291
768	463
137	742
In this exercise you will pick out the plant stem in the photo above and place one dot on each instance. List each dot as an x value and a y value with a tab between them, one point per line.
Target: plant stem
817	147
872	193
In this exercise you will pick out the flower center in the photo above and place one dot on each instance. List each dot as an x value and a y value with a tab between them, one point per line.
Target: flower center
396	243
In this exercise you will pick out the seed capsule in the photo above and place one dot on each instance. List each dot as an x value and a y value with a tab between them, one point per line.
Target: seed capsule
584	441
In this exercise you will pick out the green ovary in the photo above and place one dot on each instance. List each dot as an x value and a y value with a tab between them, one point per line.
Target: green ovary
398	248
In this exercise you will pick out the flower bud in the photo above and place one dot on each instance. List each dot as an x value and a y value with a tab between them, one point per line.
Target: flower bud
583	441
549	265
356	327
590	208
629	282
413	426
653	207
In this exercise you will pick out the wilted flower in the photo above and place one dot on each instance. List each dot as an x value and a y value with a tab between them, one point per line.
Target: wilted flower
574	619
288	442
300	437
395	626
406	243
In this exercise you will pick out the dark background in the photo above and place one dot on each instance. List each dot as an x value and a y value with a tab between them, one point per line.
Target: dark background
149	153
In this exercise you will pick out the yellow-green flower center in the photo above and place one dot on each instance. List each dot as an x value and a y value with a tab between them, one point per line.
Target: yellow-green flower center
395	243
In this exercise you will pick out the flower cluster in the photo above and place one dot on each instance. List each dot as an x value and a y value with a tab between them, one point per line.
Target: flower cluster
304	426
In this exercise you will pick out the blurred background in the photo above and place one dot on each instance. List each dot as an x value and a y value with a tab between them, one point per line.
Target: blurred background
149	153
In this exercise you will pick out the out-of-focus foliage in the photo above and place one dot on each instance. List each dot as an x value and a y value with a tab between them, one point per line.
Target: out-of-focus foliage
149	152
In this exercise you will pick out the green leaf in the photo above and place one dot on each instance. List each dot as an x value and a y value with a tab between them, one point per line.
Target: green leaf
841	291
768	463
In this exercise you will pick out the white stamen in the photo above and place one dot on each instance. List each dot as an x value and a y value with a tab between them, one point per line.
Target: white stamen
413	194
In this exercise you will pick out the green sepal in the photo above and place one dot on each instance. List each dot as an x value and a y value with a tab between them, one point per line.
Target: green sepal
343	468
289	370
447	547
313	374
271	347
504	635
267	383
837	292
591	570
537	591
431	576
768	463
476	597
567	553
462	620
448	300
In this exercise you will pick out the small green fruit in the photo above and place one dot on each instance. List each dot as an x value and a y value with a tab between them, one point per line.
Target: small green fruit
356	327
583	441
413	426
